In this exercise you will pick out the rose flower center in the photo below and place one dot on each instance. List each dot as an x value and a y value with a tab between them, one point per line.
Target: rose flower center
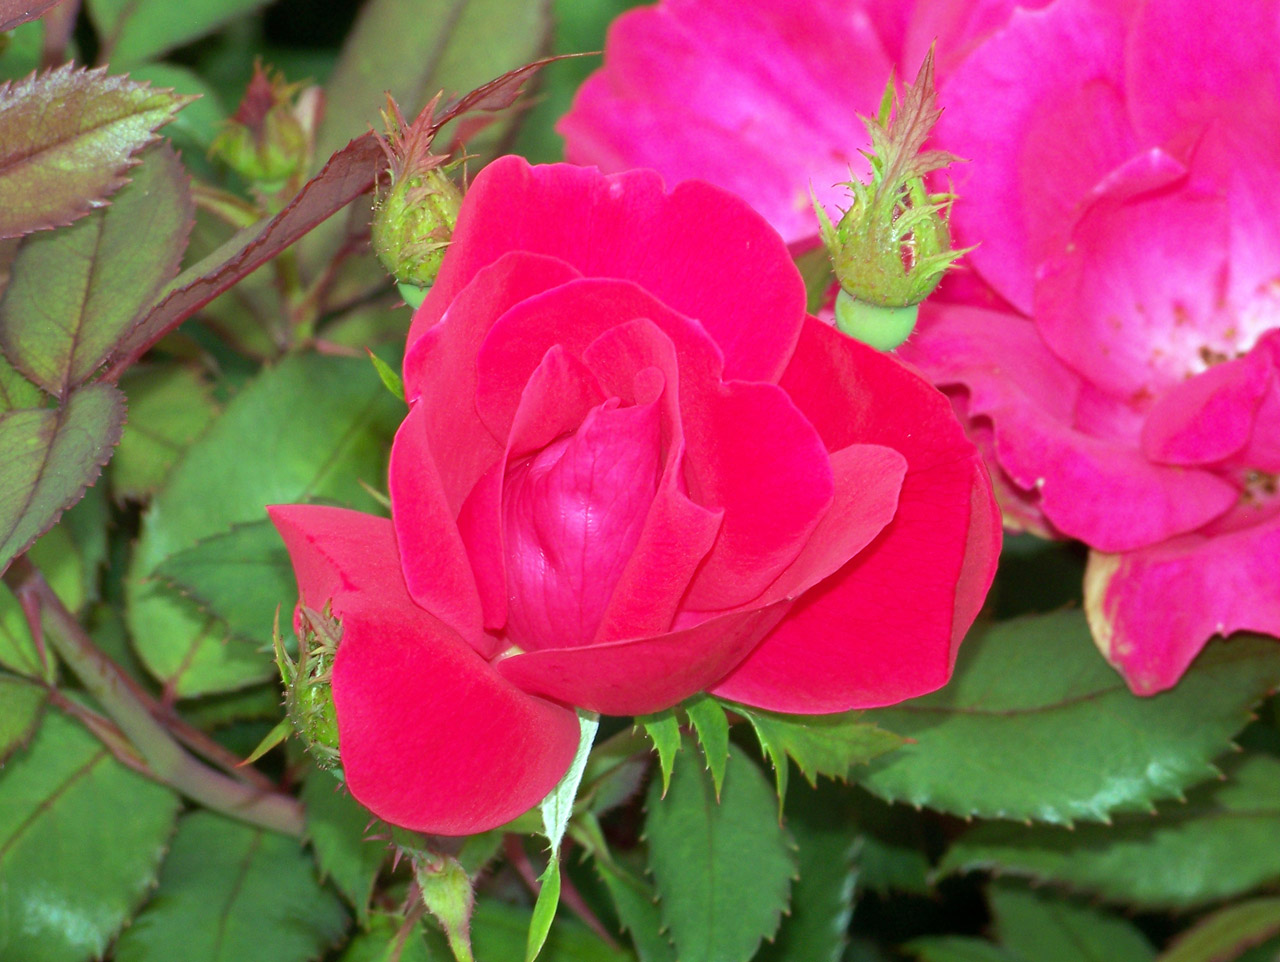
572	515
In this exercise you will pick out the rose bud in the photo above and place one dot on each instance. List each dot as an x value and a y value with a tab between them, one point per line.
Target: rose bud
414	215
268	138
891	247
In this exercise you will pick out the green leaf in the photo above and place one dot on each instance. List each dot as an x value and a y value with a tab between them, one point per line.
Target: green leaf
817	928
498	931
135	30
712	726
893	857
51	456
1227	933
387	939
337	826
544	909
1042	928
169	407
959	948
388	376
830	745
722	869
69	572
230	892
637	907
16	391
240	576
67	137
663	730
412	51
1218	844
81	838
260	451
1035	725
199	122
75	291
21	706
558	805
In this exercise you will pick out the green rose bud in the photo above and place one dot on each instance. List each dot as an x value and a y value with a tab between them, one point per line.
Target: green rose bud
413	222
415	213
308	698
269	138
892	246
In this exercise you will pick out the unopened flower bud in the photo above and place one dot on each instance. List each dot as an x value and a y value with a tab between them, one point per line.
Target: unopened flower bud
415	213
892	246
413	222
308	696
268	139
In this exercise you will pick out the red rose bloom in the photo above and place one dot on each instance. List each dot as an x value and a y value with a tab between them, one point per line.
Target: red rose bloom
632	470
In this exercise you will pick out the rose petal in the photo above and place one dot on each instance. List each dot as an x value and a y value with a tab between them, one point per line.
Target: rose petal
409	693
556	398
753	454
1061	125
639	676
678	533
1100	490
1134	302
573	316
757	98
592	222
1211	416
434	559
887	625
439	364
1181	77
572	515
868	479
1152	610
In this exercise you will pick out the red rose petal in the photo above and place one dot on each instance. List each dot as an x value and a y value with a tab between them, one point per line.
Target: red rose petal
427	730
627	226
440	364
639	676
887	625
434	559
572	515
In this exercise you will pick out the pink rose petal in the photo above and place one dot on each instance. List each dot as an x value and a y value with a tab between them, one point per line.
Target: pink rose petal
1152	611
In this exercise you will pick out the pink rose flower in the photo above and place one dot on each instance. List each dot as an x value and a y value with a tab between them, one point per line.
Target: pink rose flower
632	470
1127	390
1114	346
762	97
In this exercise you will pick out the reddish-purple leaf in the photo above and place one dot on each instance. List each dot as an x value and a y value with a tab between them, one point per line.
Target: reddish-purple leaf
348	174
50	456
76	291
14	12
67	138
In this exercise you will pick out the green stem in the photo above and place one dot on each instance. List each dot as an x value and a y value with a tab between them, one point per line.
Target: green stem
122	700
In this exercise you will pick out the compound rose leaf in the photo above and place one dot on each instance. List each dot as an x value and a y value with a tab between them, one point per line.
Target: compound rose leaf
722	869
51	456
1007	739
67	138
109	825
76	291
